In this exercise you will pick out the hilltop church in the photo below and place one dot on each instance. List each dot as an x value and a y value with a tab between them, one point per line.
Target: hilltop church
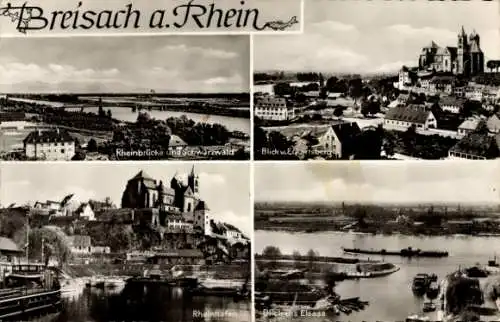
143	192
465	59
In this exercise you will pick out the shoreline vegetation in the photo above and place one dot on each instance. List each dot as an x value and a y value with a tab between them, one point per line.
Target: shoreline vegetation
428	220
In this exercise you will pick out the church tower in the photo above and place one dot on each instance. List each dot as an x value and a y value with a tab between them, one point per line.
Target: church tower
462	52
193	181
476	54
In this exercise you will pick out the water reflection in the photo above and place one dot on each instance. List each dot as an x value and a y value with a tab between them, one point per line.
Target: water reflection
146	303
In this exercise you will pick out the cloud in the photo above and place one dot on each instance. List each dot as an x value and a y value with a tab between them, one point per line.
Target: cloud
394	66
235	79
404	30
16	72
210	179
243	223
205	52
333	26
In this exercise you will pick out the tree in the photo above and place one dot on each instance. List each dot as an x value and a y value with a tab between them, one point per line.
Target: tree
296	258
92	145
109	114
491	64
272	254
312	257
370	107
51	239
101	112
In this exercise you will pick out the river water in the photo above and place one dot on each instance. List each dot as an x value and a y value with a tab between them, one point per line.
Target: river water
151	303
390	297
125	114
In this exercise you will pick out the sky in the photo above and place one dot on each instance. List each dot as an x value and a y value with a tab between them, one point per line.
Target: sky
376	36
224	187
375	182
172	64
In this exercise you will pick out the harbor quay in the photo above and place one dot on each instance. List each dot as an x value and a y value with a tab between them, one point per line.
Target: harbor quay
158	252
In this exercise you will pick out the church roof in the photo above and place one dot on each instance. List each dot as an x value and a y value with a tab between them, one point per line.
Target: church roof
412	113
143	175
432	45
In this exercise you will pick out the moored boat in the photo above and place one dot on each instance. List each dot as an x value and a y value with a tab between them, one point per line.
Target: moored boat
405	252
429	307
420	284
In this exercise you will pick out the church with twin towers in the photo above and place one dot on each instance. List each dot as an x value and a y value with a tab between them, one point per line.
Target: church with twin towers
466	59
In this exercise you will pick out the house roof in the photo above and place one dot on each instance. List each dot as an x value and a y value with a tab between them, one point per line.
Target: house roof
48	137
346	131
469	124
450	100
477	144
175	141
201	206
172	216
443	79
411	113
8	245
66	199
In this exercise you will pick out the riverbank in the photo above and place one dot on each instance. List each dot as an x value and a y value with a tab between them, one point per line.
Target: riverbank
392	293
220	271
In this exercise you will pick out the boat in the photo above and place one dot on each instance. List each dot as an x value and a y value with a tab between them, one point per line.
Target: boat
433	290
405	252
420	284
476	272
493	262
32	290
429	307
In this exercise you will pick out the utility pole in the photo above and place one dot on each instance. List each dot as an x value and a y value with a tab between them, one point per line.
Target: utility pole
27	239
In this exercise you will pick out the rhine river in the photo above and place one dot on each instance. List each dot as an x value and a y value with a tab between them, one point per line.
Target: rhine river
125	114
156	303
390	297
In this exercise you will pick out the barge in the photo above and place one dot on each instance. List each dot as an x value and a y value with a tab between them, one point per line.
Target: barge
405	252
31	291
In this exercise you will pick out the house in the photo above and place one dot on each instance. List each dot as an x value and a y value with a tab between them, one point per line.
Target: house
468	126
272	108
49	145
69	205
474	92
459	91
9	250
451	104
178	257
475	146
85	211
401	118
176	145
406	78
80	245
339	141
442	84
